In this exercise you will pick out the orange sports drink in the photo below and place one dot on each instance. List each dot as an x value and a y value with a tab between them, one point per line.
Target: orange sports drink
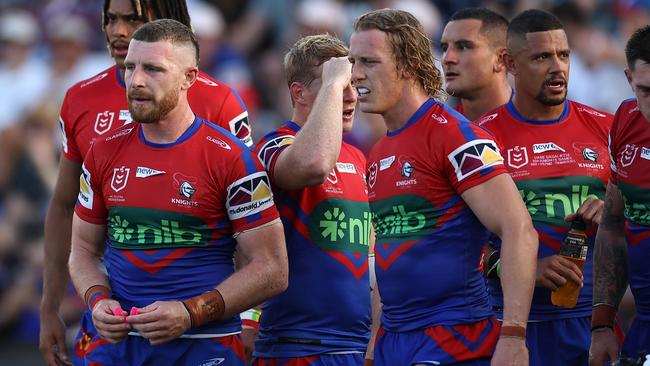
574	248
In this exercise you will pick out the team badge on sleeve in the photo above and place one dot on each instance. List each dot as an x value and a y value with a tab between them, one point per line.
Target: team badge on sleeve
85	190
269	149
474	156
240	127
249	195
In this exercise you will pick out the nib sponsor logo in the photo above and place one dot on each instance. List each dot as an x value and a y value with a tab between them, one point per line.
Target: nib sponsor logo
144	172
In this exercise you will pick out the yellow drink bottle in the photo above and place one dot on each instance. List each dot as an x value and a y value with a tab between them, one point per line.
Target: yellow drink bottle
574	248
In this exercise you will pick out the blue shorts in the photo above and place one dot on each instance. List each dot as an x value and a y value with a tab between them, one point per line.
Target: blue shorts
562	342
469	344
348	359
637	339
92	350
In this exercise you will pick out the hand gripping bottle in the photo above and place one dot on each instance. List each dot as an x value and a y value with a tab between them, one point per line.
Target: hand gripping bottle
574	248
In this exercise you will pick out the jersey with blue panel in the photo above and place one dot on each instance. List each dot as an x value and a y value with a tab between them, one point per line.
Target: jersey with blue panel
428	240
556	165
630	154
171	210
326	307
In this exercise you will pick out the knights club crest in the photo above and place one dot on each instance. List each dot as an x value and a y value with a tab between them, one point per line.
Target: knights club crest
120	178
372	175
517	157
628	155
104	122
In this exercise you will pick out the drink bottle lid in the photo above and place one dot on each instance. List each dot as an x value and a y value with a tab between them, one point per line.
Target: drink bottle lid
578	224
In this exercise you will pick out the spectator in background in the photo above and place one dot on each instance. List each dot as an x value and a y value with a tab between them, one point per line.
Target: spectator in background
23	76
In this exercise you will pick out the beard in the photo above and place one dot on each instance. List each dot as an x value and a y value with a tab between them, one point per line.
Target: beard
142	114
550	101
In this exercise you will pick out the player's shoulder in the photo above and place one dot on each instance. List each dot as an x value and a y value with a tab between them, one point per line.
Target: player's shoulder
107	145
93	84
282	135
207	85
628	107
591	113
226	142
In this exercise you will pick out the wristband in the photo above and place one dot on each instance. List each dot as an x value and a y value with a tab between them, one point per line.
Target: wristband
205	308
96	293
513	331
602	315
597	327
251	318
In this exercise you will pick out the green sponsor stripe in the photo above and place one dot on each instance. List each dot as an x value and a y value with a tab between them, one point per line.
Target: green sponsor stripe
402	218
341	225
144	228
637	203
549	200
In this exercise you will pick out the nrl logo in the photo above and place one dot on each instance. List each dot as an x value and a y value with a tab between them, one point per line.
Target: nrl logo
628	155
372	175
517	157
120	178
104	122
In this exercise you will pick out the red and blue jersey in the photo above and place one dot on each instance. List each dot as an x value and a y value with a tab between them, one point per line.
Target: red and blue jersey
630	154
428	241
556	165
326	307
94	107
171	210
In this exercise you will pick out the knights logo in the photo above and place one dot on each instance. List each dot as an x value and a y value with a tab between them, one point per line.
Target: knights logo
372	175
590	154
120	178
628	155
185	185
407	169
104	122
517	157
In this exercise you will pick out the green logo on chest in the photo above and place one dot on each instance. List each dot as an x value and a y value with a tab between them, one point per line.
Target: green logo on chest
406	217
141	228
341	225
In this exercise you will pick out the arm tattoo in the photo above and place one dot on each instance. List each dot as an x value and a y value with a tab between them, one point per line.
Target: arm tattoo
610	255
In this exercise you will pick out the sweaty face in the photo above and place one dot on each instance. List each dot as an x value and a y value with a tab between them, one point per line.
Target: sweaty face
122	22
639	79
374	72
154	74
542	67
467	59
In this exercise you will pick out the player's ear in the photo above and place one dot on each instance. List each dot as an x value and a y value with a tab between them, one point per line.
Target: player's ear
297	91
500	64
190	77
509	62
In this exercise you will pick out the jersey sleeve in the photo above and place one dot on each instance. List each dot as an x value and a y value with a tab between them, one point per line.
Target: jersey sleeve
269	149
249	199
66	123
472	157
234	111
90	203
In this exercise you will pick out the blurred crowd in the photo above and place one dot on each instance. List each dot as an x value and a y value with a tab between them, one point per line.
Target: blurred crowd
48	45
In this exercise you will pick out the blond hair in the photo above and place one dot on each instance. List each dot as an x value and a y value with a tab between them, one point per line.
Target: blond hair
308	53
411	46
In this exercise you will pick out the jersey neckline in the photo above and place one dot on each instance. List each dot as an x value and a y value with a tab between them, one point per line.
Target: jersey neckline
416	117
184	137
510	106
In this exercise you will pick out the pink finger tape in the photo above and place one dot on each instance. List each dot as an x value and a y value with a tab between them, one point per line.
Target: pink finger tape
118	311
134	311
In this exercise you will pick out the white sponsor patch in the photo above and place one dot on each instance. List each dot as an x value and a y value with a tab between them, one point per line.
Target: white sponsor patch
385	163
144	172
474	156
212	362
645	153
249	195
346	168
546	146
86	194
